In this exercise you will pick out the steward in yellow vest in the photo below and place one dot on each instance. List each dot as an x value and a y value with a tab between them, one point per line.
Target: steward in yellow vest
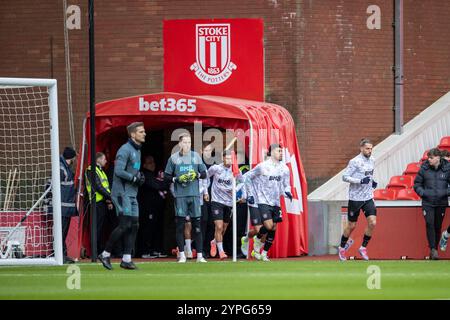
101	184
102	194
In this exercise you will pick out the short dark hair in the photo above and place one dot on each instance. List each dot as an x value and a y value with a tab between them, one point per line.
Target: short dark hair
445	153
98	155
226	152
435	152
272	147
132	127
184	135
205	144
365	141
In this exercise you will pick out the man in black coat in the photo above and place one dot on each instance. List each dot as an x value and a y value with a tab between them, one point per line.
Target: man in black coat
68	195
151	198
431	184
446	234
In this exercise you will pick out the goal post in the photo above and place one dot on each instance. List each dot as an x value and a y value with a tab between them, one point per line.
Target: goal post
30	195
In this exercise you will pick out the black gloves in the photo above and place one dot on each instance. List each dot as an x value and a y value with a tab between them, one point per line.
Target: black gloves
365	180
251	200
374	184
138	178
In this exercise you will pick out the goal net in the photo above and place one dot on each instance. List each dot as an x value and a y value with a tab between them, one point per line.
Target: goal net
30	211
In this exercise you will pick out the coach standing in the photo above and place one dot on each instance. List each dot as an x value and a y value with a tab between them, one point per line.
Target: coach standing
127	179
431	184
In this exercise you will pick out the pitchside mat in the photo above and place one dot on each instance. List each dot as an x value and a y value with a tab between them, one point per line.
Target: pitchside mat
279	279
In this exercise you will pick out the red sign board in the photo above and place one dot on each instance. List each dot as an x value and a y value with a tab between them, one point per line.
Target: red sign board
35	233
221	57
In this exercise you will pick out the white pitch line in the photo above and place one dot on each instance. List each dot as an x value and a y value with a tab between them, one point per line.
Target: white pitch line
231	274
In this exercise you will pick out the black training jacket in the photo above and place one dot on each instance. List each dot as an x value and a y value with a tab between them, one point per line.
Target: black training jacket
432	185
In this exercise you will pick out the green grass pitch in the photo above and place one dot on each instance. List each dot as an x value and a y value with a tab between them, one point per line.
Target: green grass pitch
278	279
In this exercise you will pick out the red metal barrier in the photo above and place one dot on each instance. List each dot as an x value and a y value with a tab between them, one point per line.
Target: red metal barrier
400	231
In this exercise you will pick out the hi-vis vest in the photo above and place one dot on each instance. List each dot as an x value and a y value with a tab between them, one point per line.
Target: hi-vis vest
103	179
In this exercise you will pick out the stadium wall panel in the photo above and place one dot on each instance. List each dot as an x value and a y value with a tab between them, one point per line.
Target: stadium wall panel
400	231
321	61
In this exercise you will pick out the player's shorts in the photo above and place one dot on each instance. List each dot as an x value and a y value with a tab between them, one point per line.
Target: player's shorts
206	211
127	206
255	216
220	211
187	207
270	213
355	207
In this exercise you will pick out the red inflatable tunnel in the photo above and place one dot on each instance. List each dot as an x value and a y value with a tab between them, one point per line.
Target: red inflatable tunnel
260	124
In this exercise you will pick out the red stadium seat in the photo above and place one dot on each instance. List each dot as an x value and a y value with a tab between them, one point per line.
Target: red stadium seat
445	143
400	182
412	169
407	194
384	194
425	156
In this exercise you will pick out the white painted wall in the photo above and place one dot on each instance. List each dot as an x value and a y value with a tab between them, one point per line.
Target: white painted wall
394	153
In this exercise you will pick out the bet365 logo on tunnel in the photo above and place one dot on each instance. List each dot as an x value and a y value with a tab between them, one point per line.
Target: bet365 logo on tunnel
169	104
213	53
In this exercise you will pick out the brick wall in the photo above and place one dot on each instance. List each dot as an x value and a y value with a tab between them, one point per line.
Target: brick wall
321	61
